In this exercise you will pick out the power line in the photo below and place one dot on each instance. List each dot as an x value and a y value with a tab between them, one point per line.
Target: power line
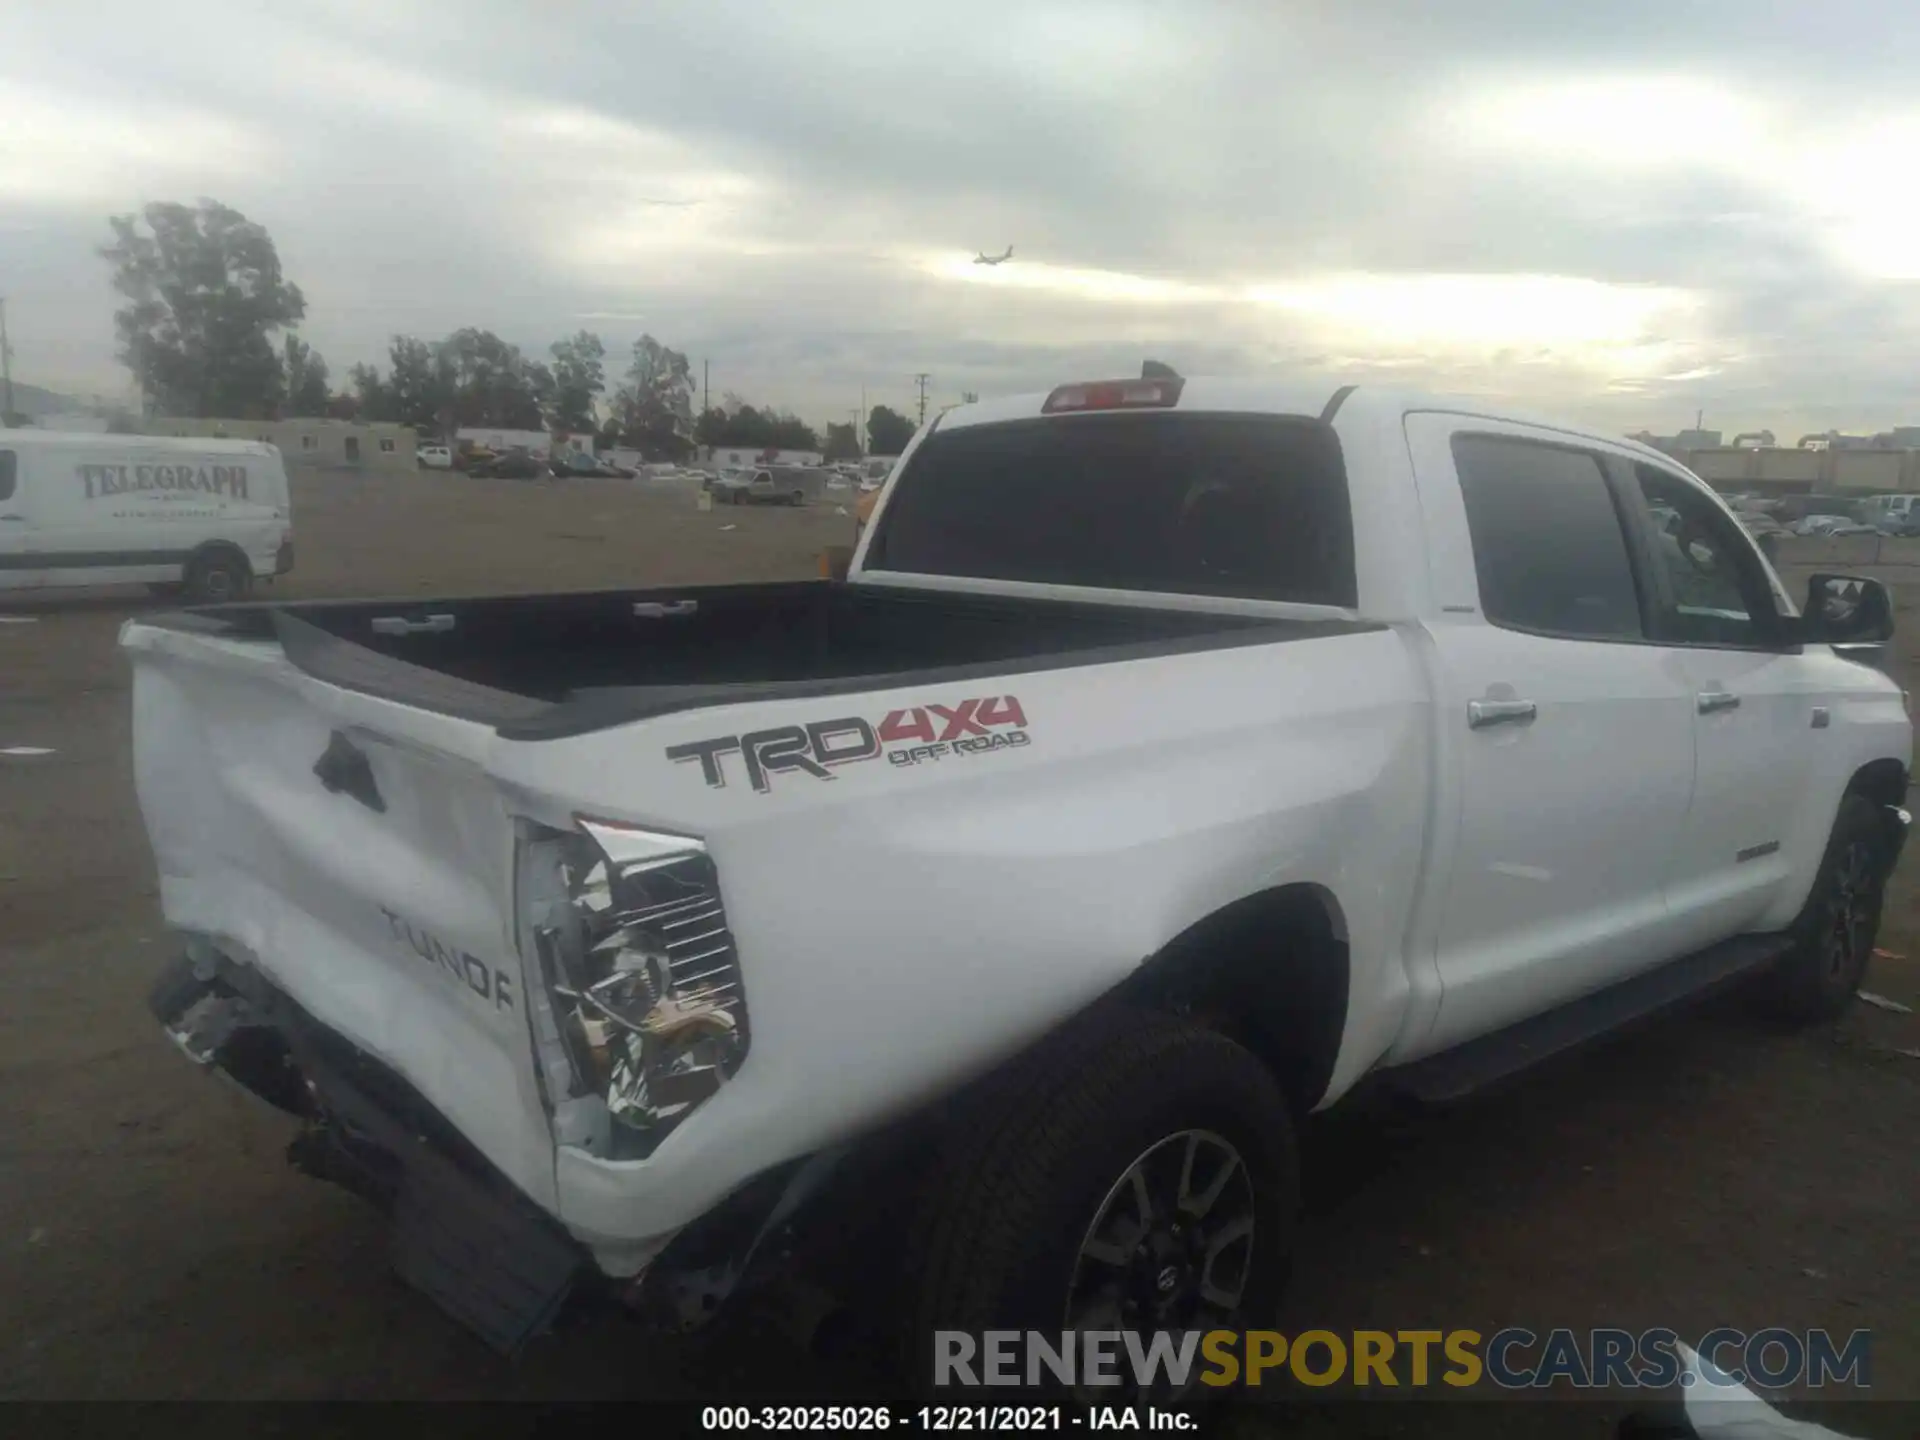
920	380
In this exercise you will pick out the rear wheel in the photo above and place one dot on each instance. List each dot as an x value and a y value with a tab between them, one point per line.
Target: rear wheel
798	497
217	578
1835	931
1137	1175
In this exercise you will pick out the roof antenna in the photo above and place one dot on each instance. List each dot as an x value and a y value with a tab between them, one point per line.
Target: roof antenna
1154	370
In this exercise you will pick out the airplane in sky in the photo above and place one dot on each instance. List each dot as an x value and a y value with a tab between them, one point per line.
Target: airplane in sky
985	259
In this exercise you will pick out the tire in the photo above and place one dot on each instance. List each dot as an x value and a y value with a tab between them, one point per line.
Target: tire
1037	1177
1835	931
798	497
217	578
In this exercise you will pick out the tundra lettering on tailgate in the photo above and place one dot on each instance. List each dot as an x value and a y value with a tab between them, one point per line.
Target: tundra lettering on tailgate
972	727
492	985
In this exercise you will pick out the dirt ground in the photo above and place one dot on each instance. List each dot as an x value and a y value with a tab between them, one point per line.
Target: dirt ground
154	1245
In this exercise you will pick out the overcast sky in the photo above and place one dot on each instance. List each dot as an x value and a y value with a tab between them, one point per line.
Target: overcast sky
1624	211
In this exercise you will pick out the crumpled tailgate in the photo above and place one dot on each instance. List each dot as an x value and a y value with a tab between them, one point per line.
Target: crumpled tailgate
379	898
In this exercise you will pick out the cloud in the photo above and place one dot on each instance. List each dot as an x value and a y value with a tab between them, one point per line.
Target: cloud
1625	212
1637	122
54	151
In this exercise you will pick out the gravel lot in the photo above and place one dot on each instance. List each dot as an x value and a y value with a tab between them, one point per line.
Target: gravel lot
153	1244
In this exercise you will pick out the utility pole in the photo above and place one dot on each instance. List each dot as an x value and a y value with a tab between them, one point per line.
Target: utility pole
920	380
706	403
6	366
860	430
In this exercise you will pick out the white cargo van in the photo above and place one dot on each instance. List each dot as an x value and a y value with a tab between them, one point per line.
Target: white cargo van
206	516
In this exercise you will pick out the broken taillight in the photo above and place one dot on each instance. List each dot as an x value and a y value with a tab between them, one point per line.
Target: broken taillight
642	1013
1113	395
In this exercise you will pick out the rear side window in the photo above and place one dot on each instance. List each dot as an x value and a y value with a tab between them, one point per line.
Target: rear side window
1248	506
9	473
1547	539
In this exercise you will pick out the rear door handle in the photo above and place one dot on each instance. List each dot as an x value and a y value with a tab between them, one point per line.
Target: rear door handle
1483	713
1710	701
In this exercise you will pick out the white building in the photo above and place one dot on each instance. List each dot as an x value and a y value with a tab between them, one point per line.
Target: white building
746	457
536	443
336	443
72	422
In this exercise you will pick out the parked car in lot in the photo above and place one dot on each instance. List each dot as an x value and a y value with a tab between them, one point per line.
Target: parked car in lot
434	457
768	487
579	463
1891	514
1899	527
1173	757
1831	525
513	465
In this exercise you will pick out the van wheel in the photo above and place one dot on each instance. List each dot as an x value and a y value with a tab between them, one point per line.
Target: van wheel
1138	1174
798	497
217	579
1835	931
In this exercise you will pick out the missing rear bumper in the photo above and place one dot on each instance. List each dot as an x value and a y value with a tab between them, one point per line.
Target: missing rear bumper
462	1234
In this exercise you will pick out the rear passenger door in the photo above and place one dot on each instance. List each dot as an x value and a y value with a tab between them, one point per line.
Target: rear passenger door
1568	736
1716	611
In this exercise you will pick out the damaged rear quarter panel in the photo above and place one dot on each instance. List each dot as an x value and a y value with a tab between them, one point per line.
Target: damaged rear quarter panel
903	926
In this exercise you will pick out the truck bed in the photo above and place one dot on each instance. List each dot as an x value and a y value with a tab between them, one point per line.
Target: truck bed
545	666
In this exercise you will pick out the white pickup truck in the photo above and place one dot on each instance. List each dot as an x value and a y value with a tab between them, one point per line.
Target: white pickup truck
1174	755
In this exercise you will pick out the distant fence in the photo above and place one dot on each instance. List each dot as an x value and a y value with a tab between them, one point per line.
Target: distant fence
1862	472
1837	551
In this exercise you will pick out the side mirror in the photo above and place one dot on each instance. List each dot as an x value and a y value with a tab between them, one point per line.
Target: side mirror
1847	610
835	562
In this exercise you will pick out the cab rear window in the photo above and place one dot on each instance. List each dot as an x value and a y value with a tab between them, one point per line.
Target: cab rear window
1247	506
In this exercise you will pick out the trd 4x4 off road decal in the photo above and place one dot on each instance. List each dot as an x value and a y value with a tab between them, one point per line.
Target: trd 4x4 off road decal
923	733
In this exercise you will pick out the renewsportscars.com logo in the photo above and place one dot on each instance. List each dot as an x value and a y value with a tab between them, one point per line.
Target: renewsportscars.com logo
919	734
1510	1359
